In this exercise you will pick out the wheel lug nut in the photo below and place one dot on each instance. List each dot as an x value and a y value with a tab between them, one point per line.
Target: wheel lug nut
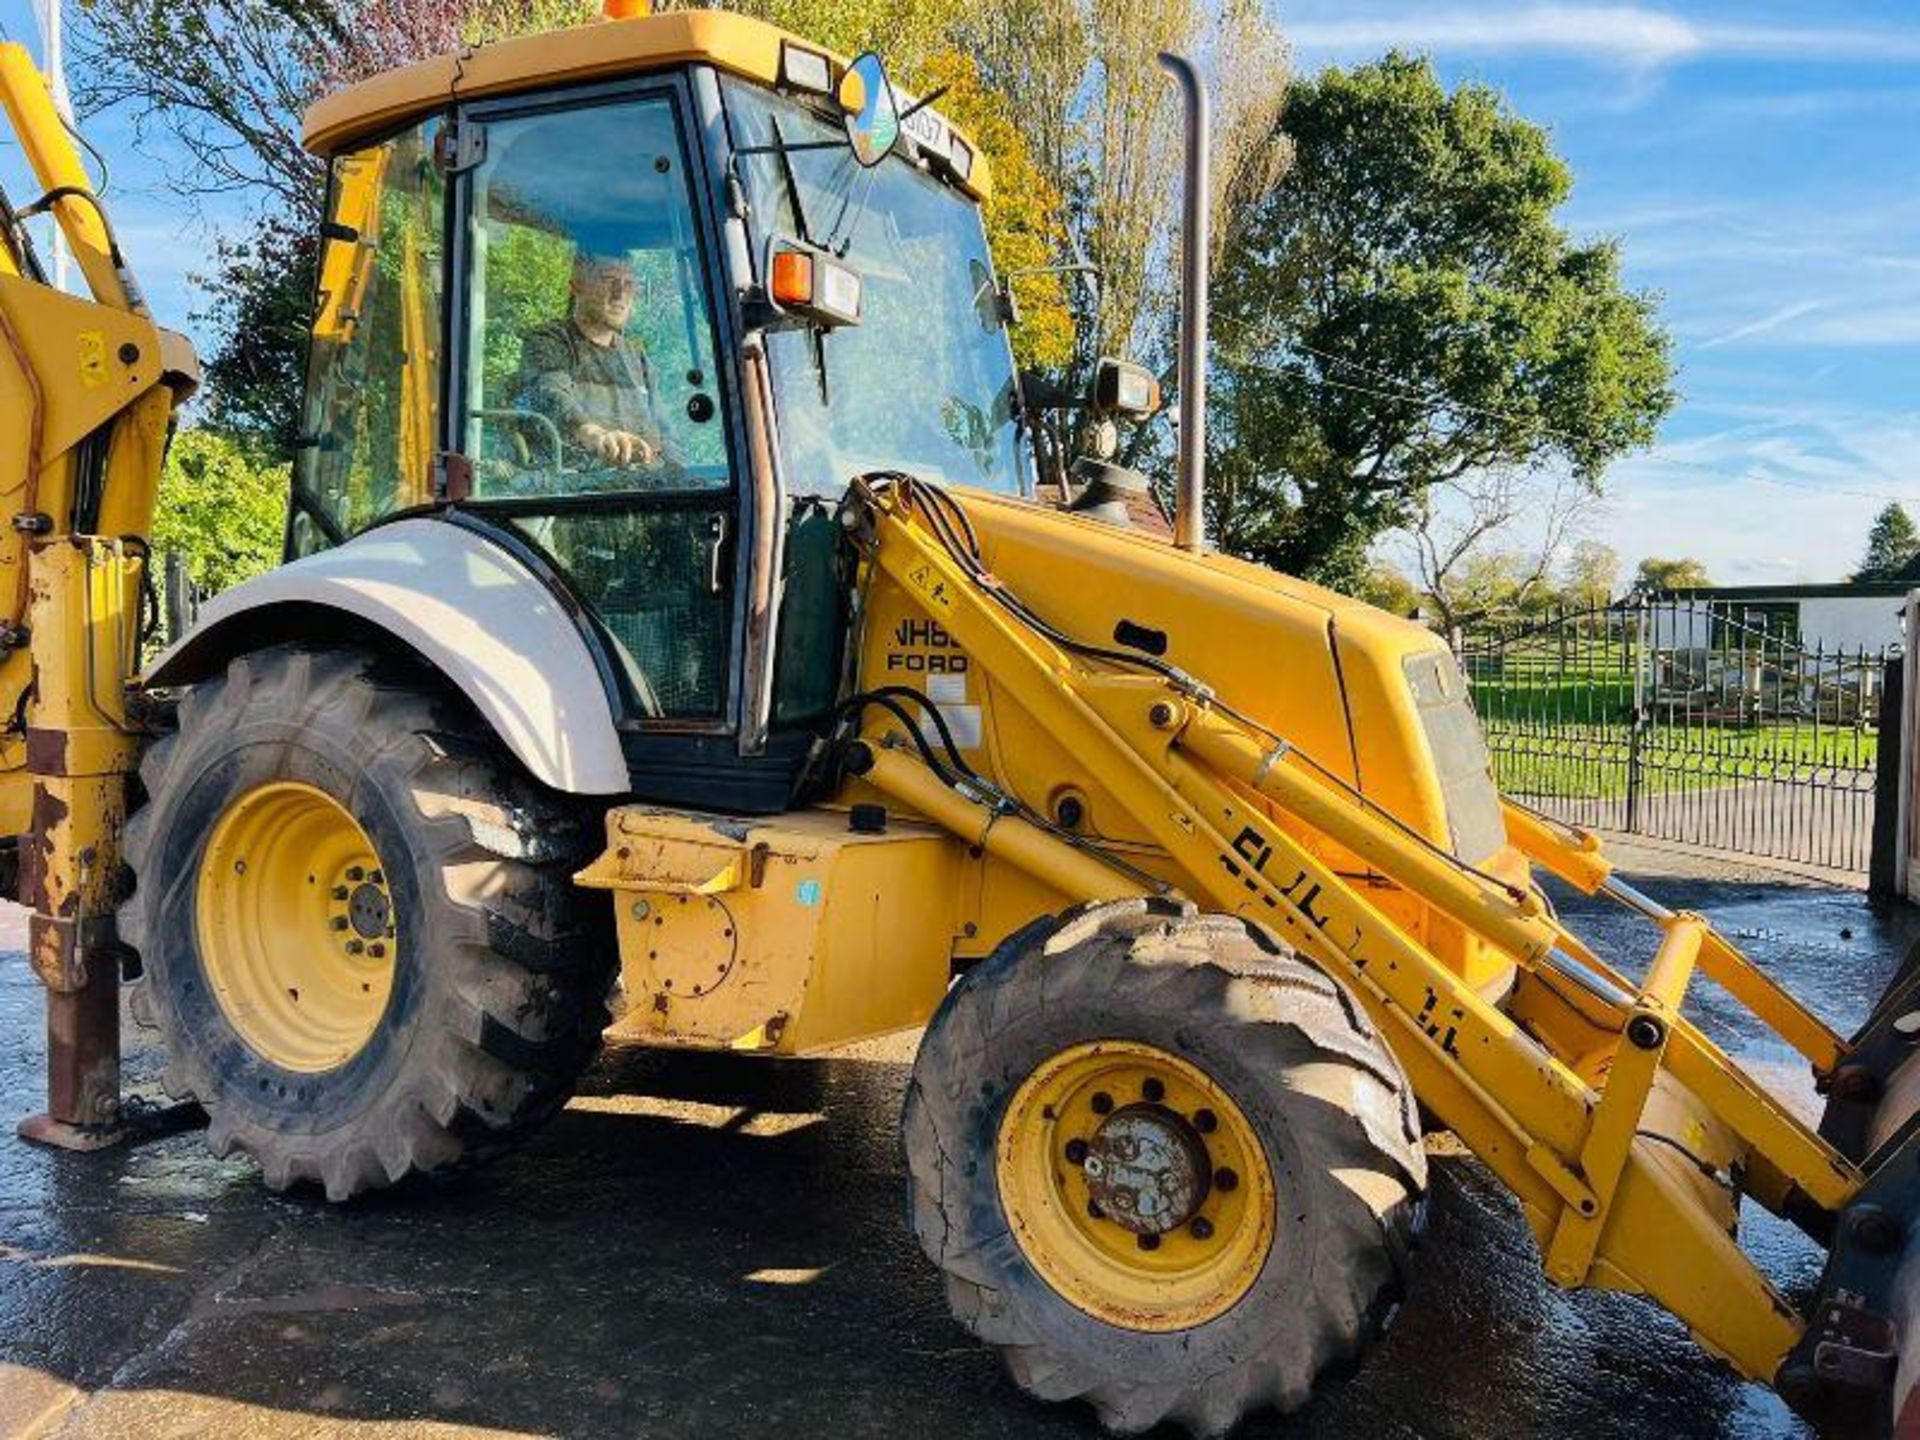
1205	1121
340	892
1225	1179
1094	1210
339	922
1102	1102
1076	1152
1200	1227
1149	1242
377	950
354	947
1154	1091
377	878
355	873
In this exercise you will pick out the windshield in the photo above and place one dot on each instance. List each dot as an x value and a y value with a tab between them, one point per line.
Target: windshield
925	382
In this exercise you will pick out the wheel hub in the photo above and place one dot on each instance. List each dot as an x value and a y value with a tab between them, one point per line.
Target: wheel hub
1146	1169
370	911
295	926
1136	1185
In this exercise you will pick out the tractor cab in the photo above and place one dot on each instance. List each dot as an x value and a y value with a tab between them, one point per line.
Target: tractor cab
640	318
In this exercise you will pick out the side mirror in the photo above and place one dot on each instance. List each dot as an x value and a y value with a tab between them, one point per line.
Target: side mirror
1122	388
873	114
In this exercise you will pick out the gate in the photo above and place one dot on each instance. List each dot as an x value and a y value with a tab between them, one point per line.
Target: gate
1694	721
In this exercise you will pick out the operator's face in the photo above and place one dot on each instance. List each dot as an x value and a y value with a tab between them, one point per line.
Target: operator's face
603	294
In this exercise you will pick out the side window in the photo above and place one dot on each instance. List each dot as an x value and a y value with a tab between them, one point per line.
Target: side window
591	377
373	379
593	346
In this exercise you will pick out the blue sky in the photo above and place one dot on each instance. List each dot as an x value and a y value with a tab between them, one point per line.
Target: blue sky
1760	163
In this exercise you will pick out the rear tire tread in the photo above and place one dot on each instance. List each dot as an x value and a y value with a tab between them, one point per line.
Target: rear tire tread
530	956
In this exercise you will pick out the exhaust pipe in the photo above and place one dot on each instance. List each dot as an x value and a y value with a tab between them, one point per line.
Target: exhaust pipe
1189	508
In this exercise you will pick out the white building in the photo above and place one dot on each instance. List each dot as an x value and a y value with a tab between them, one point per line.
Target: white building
1845	618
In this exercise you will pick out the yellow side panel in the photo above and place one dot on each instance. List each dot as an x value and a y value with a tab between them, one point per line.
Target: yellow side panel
1323	671
784	935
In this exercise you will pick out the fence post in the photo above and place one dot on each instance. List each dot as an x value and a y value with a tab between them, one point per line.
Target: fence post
1886	865
1637	652
1905	733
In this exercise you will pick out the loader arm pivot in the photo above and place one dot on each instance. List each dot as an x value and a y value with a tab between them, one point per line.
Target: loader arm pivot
1552	1086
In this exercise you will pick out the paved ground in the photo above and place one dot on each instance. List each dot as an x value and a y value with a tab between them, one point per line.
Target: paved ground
725	1255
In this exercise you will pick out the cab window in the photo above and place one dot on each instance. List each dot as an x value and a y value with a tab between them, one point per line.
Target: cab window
593	417
373	378
593	347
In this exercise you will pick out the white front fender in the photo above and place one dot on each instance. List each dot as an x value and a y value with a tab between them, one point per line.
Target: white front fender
468	607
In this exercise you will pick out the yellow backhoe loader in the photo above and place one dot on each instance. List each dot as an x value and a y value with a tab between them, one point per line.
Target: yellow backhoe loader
668	619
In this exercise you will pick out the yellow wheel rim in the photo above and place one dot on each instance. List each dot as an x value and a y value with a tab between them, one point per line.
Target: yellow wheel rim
1135	1186
296	928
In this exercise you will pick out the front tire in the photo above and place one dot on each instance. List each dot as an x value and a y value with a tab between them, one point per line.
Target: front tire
1166	1166
359	937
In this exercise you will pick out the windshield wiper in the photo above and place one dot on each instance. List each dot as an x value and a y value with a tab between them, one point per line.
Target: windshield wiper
784	152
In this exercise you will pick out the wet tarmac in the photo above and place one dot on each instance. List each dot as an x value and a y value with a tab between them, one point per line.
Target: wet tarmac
725	1254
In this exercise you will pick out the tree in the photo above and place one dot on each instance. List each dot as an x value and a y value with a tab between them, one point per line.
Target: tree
1403	311
1656	574
228	80
1450	539
1387	587
1588	578
220	507
1104	125
1490	586
1891	544
260	303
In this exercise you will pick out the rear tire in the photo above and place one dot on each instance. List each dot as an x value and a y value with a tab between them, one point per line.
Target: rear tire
1248	1054
496	967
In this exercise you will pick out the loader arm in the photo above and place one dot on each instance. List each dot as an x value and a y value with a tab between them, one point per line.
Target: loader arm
1553	1087
88	390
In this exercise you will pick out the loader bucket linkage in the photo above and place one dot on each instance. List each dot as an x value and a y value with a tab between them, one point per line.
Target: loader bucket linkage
1626	1134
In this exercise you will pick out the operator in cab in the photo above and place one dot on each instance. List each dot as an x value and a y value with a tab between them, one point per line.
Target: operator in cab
586	375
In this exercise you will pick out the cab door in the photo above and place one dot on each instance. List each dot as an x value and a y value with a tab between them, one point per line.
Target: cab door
592	407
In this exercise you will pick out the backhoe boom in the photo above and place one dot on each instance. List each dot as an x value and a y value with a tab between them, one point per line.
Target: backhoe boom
88	390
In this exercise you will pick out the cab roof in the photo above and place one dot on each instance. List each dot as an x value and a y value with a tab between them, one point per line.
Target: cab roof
603	50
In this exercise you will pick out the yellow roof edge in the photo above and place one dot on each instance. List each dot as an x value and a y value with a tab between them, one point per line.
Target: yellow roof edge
603	50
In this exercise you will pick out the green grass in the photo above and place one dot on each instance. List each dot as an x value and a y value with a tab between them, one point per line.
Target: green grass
1590	761
1558	710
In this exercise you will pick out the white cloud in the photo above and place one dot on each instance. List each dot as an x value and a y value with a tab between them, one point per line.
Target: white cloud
1808	104
1619	33
1869	323
1783	494
1629	35
1866	326
1771	321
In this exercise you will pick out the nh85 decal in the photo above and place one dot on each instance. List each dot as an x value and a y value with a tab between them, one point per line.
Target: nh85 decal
923	647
